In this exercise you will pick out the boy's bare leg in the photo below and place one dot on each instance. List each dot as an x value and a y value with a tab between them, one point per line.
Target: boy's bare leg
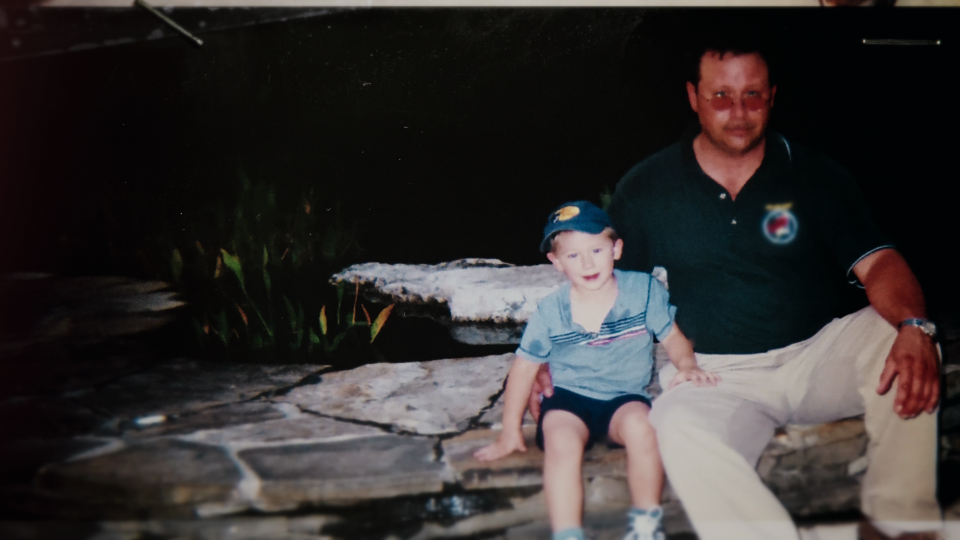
630	427
564	436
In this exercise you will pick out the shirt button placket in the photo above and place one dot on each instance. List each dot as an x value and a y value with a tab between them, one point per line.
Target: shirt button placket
723	197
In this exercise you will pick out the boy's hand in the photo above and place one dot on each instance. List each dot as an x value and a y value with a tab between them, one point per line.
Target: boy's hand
696	375
507	443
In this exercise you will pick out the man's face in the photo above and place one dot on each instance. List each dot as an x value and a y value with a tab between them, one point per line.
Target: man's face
733	101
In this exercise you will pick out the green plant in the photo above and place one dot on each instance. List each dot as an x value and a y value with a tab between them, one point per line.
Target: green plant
262	292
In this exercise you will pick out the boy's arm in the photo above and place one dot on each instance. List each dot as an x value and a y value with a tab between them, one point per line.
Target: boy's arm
680	351
519	383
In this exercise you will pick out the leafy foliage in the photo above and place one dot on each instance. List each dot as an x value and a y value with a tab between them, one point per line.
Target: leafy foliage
262	293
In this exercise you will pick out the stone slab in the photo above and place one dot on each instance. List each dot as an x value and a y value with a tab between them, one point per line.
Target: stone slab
181	386
472	289
147	476
347	471
519	469
493	418
289	430
435	397
214	418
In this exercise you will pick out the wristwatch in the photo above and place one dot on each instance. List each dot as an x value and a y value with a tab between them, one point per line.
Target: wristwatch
927	326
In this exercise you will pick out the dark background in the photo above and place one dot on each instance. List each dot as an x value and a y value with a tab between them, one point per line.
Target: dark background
441	133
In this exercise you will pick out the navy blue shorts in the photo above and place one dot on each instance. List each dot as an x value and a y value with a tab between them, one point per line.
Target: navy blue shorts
595	413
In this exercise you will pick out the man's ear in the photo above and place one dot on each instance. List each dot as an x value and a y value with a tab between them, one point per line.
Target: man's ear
773	93
555	260
617	249
692	96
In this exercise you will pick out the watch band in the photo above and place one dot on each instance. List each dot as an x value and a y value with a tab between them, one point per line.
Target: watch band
925	325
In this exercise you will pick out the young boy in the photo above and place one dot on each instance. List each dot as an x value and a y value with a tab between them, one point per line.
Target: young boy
597	335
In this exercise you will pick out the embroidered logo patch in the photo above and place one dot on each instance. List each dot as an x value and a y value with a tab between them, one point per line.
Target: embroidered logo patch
780	225
565	213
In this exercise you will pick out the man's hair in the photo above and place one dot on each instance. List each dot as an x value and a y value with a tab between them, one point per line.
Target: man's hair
729	45
608	232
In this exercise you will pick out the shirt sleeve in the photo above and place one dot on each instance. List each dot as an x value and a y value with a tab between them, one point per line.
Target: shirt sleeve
845	221
660	312
535	344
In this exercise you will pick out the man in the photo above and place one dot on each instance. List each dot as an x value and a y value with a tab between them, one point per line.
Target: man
753	231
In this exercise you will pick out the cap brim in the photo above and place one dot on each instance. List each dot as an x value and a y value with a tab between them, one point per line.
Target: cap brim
589	227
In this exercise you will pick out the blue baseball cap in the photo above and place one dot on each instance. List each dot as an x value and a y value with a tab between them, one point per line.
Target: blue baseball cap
582	216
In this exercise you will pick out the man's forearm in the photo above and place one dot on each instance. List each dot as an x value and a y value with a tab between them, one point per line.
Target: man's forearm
679	349
519	385
892	288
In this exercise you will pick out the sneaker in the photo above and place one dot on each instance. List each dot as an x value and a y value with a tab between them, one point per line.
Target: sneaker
646	526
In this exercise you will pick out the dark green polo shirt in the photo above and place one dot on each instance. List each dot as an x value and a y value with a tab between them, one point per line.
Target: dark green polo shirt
752	274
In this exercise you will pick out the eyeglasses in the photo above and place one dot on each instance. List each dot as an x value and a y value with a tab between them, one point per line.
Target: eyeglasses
751	102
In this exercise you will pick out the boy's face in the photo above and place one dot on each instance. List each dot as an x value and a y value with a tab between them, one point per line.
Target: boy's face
586	259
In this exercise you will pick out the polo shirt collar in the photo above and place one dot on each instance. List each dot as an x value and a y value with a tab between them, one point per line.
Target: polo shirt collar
778	154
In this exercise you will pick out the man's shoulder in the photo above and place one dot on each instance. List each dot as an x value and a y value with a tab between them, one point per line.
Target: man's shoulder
661	166
814	166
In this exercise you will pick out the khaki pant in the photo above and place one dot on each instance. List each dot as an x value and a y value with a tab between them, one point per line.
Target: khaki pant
711	438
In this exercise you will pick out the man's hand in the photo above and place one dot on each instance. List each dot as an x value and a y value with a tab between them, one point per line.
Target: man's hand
696	375
914	363
543	384
508	442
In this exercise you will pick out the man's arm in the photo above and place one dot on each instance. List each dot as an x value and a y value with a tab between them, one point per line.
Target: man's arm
680	351
913	361
543	384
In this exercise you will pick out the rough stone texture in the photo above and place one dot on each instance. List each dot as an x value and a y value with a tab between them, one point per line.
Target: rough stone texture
815	469
165	473
519	469
482	301
344	472
221	417
440	396
333	440
493	418
236	528
293	429
473	289
182	386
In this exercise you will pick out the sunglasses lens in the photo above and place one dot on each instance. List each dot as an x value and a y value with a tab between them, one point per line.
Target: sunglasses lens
721	103
754	103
